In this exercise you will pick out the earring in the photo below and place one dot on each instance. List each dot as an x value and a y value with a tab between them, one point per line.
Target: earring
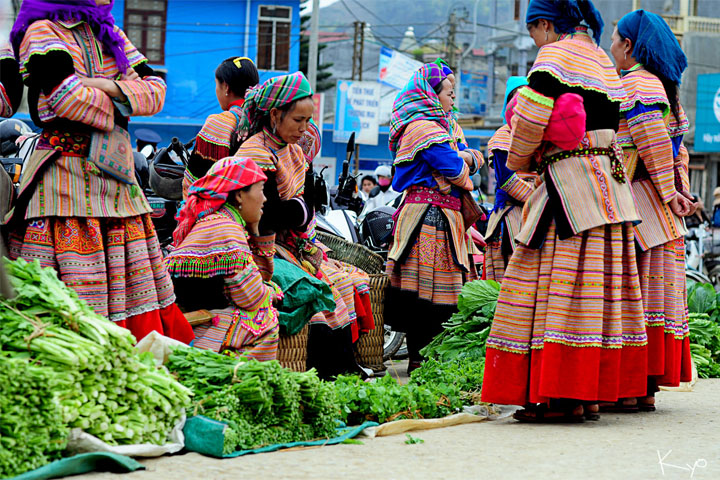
227	94
274	129
546	35
625	55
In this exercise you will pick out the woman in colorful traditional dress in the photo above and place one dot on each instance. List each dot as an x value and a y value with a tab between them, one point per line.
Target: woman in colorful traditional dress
511	192
569	325
214	263
77	212
652	125
11	88
221	135
278	117
429	260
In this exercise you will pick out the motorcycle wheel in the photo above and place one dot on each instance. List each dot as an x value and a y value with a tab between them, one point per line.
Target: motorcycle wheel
696	277
393	342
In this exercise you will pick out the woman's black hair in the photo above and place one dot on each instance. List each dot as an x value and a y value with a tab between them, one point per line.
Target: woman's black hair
438	88
671	89
370	178
238	78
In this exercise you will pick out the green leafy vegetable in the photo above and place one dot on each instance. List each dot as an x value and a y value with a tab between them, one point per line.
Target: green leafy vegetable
410	440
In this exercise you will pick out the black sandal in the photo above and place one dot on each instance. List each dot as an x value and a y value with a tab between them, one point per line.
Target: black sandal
544	414
618	407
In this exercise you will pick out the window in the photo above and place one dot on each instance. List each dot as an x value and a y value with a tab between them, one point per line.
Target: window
145	22
274	38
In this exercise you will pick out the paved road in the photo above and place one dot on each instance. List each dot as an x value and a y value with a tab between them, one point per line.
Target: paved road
684	431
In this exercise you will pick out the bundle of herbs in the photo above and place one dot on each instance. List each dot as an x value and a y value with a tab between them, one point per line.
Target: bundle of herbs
467	330
108	389
262	402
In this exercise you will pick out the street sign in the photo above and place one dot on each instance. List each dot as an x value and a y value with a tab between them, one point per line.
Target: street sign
357	108
395	69
707	117
318	108
473	92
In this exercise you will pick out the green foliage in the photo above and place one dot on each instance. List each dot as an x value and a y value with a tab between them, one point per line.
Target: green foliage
704	323
32	432
262	402
435	390
100	383
468	329
410	440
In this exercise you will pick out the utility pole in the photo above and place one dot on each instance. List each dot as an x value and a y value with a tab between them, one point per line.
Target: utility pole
357	69
358	47
313	53
451	48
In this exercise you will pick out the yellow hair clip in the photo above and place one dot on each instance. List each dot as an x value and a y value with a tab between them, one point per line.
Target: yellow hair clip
237	61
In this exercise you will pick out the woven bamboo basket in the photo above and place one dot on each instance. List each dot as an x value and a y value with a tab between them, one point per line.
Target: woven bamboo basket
353	253
369	351
292	350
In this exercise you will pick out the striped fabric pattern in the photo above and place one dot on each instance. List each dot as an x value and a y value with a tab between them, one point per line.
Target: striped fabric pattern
288	163
576	61
587	192
113	264
70	99
213	140
662	278
217	245
569	315
429	267
499	141
532	114
5	107
211	336
518	188
645	136
65	189
418	136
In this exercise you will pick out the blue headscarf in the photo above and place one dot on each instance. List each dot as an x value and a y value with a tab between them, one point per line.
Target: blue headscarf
512	84
654	44
566	15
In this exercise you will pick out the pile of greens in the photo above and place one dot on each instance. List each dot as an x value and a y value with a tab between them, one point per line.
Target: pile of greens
704	323
435	390
32	432
468	329
262	402
107	389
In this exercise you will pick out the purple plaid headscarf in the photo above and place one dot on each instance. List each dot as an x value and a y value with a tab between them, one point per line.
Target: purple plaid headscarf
98	17
418	101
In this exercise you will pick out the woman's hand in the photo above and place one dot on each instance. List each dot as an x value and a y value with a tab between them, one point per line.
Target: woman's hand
130	75
108	86
680	205
467	156
694	205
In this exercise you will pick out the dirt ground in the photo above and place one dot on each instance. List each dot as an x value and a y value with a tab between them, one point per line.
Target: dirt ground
679	441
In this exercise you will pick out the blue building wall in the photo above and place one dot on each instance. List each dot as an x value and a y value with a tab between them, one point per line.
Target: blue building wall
200	35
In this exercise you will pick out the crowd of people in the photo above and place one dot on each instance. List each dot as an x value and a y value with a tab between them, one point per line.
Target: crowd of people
586	233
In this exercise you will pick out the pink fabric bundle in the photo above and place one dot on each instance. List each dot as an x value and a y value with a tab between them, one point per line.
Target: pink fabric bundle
567	122
566	127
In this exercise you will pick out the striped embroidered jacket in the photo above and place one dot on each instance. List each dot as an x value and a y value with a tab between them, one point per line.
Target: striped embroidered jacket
651	137
418	137
68	186
517	185
218	246
6	56
579	192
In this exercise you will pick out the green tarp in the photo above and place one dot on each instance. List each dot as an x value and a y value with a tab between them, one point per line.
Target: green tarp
83	463
206	436
305	296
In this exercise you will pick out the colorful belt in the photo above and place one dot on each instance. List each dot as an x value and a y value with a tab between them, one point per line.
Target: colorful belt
426	195
614	152
72	144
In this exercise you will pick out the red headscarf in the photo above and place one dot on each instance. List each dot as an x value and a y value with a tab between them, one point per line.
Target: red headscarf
210	192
